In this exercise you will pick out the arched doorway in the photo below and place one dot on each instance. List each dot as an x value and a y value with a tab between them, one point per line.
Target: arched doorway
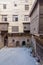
6	40
17	43
23	43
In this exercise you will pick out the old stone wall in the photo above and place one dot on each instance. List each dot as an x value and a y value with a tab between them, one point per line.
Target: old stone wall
34	25
18	41
41	18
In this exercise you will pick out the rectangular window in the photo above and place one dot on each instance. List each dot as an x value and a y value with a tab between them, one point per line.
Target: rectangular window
26	17
15	28
4	6
15	18
4	17
26	7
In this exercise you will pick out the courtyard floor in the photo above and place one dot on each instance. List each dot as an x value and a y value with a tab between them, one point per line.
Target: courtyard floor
16	56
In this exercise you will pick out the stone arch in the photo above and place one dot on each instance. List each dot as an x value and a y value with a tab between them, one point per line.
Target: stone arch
23	43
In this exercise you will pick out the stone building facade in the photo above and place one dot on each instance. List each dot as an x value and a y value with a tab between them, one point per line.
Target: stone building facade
36	15
36	27
14	22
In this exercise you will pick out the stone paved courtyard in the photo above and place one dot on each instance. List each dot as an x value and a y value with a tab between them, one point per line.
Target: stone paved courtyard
16	56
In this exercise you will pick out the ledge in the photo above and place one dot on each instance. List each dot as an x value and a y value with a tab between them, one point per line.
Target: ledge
39	40
19	34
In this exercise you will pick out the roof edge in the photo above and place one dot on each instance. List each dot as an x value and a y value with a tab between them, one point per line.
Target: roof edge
33	6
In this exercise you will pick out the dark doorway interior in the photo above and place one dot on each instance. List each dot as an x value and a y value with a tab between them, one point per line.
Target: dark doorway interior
23	43
6	40
4	35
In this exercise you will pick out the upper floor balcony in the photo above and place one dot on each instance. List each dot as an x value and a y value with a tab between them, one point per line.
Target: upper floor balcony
3	26
26	27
